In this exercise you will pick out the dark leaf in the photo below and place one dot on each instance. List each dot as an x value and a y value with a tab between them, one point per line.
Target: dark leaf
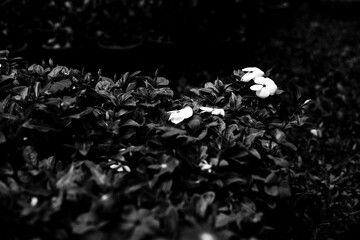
272	178
103	85
59	71
2	138
23	91
4	79
223	220
249	140
30	156
204	202
60	85
170	132
39	126
166	92
161	81
83	147
272	190
84	223
5	168
97	174
81	114
279	161
130	123
194	123
279	135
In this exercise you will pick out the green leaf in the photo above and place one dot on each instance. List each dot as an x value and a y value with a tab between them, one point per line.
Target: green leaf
2	138
59	71
194	123
161	81
5	168
170	132
37	69
130	123
83	147
272	178
272	190
99	177
202	135
284	189
249	140
103	85
223	220
60	85
279	161
171	220
131	86
279	135
235	178
39	126
218	84
84	223
166	92
255	153
204	202
23	91
4	79
81	114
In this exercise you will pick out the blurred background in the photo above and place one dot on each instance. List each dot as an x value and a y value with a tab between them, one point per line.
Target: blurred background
185	40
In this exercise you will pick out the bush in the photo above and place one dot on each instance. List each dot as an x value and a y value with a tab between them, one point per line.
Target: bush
92	157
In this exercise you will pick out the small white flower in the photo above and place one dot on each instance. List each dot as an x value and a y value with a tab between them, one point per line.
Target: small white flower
316	132
104	197
205	166
251	73
213	111
120	168
206	236
264	87
34	201
163	165
178	116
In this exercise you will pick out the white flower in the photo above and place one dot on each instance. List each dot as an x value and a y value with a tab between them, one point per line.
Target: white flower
213	111
316	132
178	116
251	73
120	168
34	201
205	166
264	87
206	236
104	197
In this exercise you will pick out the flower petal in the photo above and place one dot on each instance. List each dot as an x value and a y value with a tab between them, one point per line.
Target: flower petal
176	118
173	111
250	69
247	77
260	80
187	112
218	111
256	87
263	93
113	166
206	109
272	88
270	85
251	73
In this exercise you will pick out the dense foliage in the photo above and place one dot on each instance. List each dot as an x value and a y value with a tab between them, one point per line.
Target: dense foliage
94	157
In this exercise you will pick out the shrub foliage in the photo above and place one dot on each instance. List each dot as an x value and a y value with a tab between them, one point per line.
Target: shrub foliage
93	157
